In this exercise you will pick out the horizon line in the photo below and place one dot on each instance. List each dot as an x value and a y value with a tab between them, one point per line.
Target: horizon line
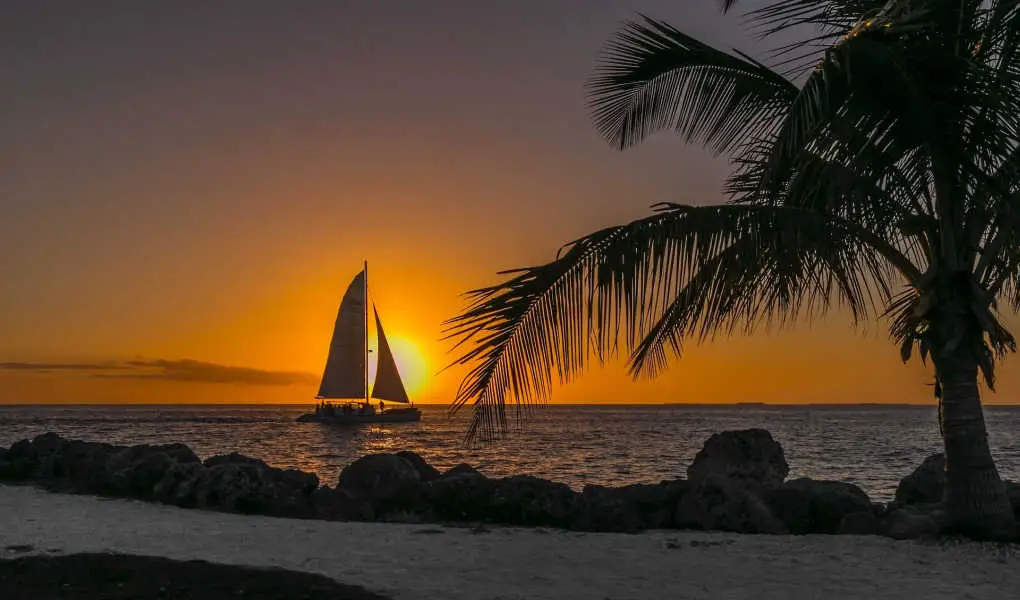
548	404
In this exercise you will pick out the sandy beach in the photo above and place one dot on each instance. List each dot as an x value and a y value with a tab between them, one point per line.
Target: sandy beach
419	562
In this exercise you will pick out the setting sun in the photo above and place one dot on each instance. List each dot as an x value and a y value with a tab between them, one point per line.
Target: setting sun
411	363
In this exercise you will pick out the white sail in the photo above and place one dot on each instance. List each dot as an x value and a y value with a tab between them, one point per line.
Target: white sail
388	385
345	375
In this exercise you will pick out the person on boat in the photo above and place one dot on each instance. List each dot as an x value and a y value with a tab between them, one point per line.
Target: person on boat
382	406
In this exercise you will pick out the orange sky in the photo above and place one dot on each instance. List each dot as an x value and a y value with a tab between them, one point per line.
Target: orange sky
183	182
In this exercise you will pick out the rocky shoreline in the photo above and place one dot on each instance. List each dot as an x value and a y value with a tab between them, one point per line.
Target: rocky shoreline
736	483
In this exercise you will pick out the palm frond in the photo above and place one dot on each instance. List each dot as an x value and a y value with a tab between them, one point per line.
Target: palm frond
653	77
827	20
783	265
532	324
612	288
917	320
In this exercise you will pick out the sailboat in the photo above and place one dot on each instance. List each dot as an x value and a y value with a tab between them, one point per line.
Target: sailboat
343	393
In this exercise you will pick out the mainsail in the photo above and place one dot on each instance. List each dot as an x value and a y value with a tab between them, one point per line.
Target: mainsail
387	379
345	375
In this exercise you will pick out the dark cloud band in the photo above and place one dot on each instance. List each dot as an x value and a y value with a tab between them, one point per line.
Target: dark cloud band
192	371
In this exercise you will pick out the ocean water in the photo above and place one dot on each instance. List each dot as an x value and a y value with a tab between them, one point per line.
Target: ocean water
871	446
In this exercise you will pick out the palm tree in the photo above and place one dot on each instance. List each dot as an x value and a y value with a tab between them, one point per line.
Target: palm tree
876	169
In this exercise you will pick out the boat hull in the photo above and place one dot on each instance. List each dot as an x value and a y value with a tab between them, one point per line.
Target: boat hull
397	415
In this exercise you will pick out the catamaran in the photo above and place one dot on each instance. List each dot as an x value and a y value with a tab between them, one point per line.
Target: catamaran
343	393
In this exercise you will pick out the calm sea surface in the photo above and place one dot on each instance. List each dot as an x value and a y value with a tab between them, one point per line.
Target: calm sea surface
867	445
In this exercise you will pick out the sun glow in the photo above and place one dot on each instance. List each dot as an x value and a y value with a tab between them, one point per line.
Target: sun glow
411	364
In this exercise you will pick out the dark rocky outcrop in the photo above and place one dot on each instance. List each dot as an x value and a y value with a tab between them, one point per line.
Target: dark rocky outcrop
810	506
238	483
726	481
917	510
750	457
628	509
336	504
177	486
461	469
15	469
379	477
916	521
135	471
861	523
391	483
91	467
926	484
233	459
526	500
77	466
460	494
736	483
139	478
61	465
170	473
723	503
426	472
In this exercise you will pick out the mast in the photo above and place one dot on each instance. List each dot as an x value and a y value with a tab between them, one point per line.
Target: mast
365	314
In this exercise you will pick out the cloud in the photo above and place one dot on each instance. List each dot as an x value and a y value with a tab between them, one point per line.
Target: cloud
48	367
189	371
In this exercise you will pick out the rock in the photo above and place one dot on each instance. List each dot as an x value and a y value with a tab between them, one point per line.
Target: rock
750	457
178	486
911	523
860	523
426	472
926	484
460	494
627	509
140	478
339	505
462	468
42	445
179	453
234	459
526	500
135	471
8	471
809	506
378	477
253	489
14	468
606	509
297	479
60	464
720	503
75	466
239	485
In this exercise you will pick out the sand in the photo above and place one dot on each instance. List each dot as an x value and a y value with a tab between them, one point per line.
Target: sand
418	562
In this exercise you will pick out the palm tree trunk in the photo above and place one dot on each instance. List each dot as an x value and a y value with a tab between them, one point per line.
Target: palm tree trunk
975	496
